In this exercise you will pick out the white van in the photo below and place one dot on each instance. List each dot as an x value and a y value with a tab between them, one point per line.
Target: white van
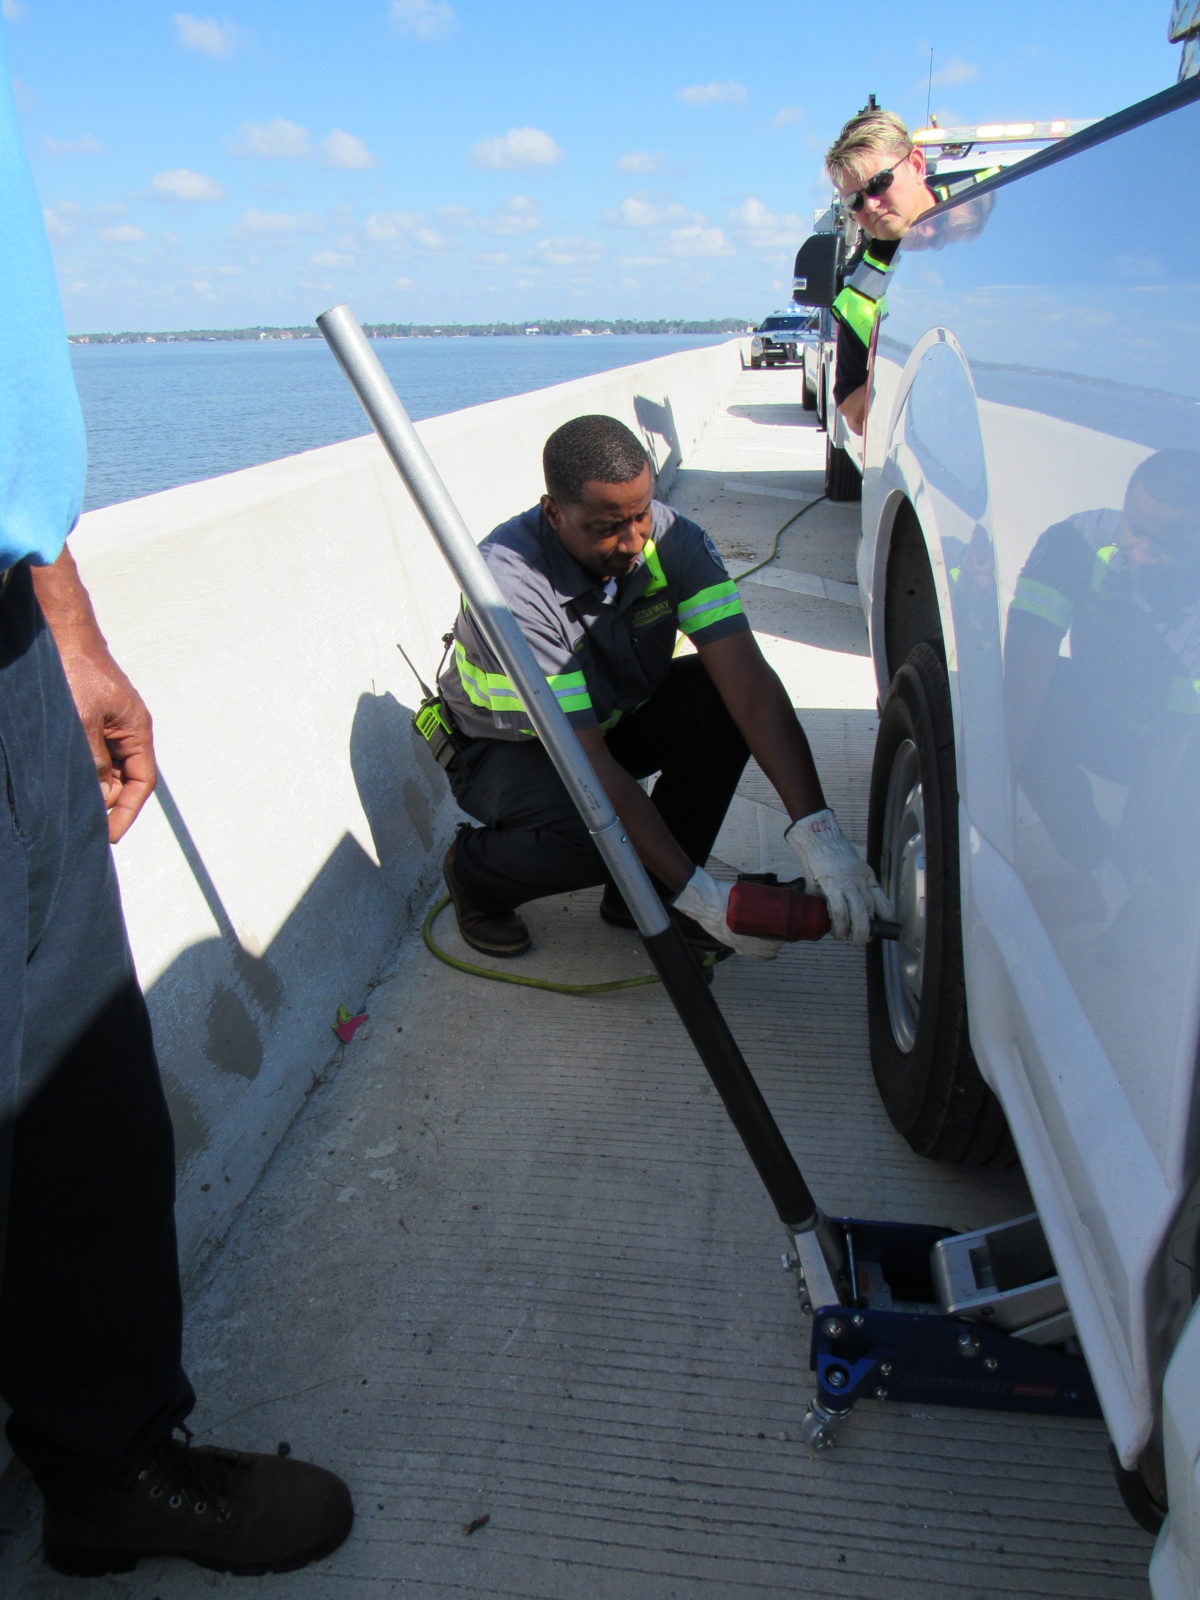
1030	571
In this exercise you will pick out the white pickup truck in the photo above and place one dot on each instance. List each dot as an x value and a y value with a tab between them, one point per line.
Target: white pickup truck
1030	571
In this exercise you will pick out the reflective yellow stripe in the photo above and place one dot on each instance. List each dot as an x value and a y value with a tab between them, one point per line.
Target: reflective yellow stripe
710	605
570	690
1041	601
658	578
493	692
857	312
1100	567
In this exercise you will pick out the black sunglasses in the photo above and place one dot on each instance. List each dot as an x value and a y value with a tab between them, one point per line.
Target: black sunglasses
873	188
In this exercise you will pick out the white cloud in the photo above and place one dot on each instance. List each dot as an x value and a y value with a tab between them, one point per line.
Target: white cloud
386	225
86	145
180	184
331	258
281	140
519	147
697	241
403	283
641	161
14	10
644	261
345	151
637	212
217	40
126	233
768	230
403	228
713	94
60	220
518	215
787	115
424	19
254	221
955	72
278	140
572	252
461	217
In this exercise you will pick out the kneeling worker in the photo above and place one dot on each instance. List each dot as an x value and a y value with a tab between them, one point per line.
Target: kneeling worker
601	578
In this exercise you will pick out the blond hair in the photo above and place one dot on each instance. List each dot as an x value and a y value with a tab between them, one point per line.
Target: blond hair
870	133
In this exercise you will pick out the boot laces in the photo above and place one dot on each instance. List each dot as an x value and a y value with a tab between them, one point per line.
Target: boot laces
199	1479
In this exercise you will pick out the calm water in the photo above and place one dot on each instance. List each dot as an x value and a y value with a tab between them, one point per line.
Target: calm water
159	415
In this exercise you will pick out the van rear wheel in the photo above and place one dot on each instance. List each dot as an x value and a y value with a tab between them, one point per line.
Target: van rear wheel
921	1055
842	480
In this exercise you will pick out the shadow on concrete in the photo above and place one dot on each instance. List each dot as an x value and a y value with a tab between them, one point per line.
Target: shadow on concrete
776	414
248	1011
657	421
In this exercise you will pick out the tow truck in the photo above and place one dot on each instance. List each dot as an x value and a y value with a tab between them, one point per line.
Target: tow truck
1029	567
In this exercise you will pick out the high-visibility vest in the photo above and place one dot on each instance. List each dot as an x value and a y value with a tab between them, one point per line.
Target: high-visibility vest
861	298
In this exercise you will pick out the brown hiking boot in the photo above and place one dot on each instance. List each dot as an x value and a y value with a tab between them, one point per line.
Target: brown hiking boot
493	933
224	1509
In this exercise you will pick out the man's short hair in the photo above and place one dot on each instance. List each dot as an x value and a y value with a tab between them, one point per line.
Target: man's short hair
587	449
870	133
1171	478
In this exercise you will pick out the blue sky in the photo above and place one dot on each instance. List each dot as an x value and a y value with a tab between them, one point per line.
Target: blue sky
464	161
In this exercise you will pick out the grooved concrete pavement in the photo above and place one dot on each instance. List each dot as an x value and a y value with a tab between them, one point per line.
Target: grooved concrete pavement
512	1262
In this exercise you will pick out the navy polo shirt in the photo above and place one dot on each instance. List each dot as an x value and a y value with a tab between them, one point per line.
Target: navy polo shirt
602	655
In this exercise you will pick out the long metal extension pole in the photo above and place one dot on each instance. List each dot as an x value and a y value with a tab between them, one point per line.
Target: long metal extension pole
680	974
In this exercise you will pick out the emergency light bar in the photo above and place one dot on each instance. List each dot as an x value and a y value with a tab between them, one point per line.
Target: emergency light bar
1001	132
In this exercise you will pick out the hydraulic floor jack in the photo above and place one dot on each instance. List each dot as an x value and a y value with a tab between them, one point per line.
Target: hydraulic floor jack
900	1312
909	1312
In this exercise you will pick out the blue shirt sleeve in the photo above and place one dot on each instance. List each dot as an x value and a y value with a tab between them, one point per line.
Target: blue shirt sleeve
42	448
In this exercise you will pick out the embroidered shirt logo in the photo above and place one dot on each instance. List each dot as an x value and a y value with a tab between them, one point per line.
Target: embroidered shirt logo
643	616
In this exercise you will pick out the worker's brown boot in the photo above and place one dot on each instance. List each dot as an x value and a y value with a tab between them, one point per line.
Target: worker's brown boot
224	1509
493	933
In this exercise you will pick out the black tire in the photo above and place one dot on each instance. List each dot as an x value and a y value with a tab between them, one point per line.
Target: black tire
756	362
842	478
916	998
808	397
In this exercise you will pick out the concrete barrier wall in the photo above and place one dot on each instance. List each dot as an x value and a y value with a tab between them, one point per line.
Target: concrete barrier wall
300	823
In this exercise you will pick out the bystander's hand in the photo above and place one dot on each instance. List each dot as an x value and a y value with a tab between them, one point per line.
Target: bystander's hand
114	715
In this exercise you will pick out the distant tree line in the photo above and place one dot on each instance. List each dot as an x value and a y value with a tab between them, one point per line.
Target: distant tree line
428	330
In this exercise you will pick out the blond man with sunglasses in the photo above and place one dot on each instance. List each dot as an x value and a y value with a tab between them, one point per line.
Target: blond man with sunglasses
881	177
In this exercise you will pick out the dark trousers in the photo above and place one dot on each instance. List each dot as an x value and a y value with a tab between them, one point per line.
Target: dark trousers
90	1319
534	842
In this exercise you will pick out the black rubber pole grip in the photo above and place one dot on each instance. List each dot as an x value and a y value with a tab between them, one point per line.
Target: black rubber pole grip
700	1014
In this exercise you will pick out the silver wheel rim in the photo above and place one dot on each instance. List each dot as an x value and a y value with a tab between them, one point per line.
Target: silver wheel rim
902	871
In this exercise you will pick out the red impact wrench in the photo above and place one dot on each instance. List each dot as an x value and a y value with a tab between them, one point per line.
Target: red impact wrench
765	909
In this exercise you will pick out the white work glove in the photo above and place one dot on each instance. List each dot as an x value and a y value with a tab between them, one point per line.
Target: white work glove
707	903
834	868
